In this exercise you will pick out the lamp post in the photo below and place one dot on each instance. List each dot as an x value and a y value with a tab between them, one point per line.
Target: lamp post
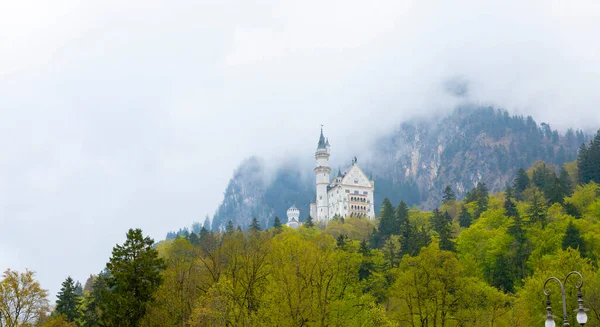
581	315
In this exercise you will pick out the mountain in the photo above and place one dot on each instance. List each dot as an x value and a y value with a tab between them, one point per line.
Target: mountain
414	163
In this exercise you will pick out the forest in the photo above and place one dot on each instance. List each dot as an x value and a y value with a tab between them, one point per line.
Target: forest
479	261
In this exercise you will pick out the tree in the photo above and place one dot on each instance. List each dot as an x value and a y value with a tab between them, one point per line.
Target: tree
68	300
277	222
509	208
465	219
441	225
404	227
573	239
135	273
387	221
207	224
521	183
229	228
255	225
89	309
482	199
22	299
448	195
309	222
537	206
194	239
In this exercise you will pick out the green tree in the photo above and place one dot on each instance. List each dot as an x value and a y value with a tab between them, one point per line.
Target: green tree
135	273
440	223
255	225
229	228
448	195
387	221
404	229
277	222
537	206
465	219
309	222
68	300
521	183
482	199
573	239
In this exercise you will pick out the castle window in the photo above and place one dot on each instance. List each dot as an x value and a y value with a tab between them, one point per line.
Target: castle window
355	192
356	181
320	197
347	191
365	192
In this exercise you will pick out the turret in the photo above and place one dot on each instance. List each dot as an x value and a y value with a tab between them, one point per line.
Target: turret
322	172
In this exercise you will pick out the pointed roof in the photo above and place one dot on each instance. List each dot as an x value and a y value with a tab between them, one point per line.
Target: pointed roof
321	144
327	142
339	173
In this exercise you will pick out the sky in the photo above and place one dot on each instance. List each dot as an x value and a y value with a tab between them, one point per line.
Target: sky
134	114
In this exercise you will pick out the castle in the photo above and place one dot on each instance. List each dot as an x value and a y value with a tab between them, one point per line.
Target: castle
350	193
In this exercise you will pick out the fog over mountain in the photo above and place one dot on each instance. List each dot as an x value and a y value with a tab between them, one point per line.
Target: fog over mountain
116	115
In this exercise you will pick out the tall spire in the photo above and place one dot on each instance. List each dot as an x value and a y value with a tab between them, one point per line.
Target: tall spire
321	144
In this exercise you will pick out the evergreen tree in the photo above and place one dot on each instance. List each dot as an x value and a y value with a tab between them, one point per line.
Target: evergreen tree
67	301
537	207
565	182
229	228
254	226
521	183
207	224
135	273
448	195
194	239
420	239
573	239
441	225
465	219
404	227
501	275
387	221
482	199
509	208
89	311
309	222
509	192
519	248
277	222
78	288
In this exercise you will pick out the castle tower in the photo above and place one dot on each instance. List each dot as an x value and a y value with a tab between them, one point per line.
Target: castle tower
322	172
293	215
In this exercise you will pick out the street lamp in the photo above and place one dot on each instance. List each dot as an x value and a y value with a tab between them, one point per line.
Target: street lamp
581	316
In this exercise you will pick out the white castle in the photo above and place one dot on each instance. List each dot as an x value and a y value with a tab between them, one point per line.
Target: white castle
293	215
349	194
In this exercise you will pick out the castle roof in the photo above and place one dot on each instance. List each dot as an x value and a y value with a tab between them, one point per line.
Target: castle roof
322	144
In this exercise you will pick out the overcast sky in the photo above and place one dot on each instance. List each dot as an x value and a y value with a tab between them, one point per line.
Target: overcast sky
119	114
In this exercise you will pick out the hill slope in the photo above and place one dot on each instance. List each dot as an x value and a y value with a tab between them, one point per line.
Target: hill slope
412	163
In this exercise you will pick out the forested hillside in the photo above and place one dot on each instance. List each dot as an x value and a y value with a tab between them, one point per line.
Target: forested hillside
470	146
481	261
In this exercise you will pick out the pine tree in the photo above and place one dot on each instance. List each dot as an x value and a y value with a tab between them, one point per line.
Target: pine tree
404	228
135	274
565	182
521	183
254	226
277	222
387	221
482	199
67	301
465	219
509	208
448	195
440	223
309	222
194	239
207	223
573	239
229	228
537	207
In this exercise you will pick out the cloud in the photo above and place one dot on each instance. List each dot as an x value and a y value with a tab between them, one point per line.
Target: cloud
118	115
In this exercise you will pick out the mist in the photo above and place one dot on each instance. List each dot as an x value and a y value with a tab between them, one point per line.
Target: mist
118	115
